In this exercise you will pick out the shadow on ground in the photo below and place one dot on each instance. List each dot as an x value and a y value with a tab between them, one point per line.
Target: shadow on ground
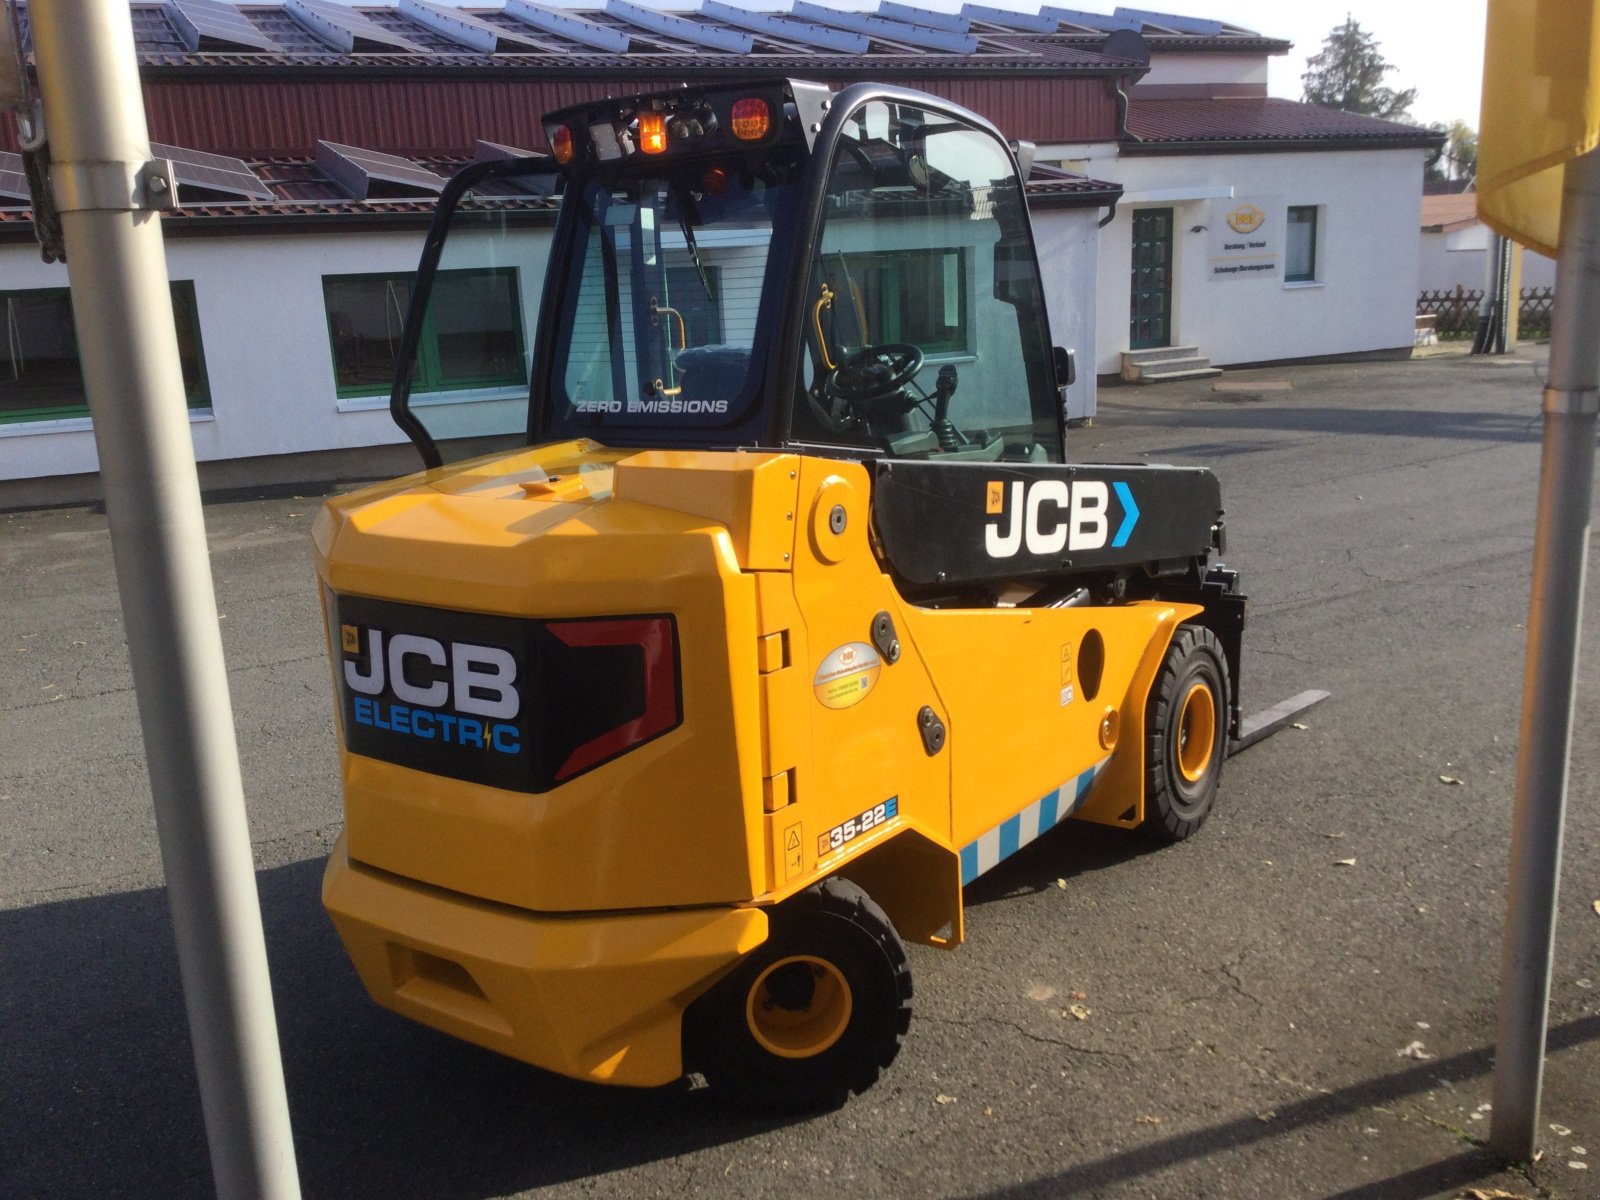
100	1100
1454	1172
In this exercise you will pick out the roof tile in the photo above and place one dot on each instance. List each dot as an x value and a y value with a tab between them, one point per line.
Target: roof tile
1263	119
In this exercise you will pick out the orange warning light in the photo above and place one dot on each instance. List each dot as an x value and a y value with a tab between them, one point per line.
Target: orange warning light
652	132
561	144
715	182
751	119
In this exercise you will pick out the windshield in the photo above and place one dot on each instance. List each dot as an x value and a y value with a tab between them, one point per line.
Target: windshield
664	295
924	317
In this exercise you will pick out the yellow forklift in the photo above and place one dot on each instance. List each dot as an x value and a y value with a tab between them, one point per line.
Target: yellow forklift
768	612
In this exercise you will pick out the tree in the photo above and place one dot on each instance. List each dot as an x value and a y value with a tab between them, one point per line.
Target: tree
1456	157
1461	151
1347	73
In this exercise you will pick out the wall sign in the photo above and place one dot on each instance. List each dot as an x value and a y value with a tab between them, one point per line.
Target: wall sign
1246	238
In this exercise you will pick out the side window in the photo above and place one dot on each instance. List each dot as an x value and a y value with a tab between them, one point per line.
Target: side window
40	375
1300	253
471	336
925	323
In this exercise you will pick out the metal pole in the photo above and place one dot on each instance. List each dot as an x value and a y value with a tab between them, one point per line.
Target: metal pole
94	116
1566	488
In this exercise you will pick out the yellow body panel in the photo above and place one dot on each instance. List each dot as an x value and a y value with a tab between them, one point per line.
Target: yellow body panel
598	997
800	753
674	822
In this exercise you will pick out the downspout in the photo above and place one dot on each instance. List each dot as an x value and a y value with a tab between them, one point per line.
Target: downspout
1124	134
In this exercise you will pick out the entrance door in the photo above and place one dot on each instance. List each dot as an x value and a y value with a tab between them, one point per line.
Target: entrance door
1150	307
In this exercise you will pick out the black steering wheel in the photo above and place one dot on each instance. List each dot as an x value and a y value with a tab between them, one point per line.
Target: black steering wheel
875	372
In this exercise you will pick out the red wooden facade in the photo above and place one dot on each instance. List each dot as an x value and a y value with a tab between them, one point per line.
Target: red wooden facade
278	114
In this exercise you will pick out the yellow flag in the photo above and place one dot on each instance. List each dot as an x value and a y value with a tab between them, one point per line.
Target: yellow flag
1541	109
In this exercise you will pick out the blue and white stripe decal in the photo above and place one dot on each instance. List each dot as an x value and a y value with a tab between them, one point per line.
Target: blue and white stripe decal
1044	814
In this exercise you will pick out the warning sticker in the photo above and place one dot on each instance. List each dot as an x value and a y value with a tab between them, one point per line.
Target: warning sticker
350	639
847	675
793	856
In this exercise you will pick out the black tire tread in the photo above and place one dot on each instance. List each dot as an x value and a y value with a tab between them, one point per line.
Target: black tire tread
1161	822
704	1023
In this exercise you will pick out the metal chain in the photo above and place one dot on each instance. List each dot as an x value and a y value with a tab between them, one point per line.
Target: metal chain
29	114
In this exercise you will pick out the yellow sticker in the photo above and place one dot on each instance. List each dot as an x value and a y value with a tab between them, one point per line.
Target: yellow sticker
997	497
1066	664
847	675
350	639
792	854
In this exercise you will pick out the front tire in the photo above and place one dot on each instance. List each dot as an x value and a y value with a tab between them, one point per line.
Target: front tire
815	1013
1186	735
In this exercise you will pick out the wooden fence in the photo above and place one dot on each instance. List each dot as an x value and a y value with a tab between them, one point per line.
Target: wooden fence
1456	312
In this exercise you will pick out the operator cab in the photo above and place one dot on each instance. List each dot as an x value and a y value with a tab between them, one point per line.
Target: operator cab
742	266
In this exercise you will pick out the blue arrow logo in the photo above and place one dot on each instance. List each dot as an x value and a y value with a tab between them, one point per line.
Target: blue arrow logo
1130	515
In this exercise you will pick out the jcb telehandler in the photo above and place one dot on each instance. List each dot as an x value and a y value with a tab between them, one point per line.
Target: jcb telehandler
781	619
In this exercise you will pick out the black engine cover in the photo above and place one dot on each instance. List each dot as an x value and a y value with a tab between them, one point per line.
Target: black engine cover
949	523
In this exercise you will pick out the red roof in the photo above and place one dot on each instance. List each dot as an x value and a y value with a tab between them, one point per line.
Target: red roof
1450	212
1262	122
303	192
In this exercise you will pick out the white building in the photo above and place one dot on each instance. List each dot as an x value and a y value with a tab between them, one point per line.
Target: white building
1254	229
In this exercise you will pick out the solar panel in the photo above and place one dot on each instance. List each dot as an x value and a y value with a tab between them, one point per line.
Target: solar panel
356	170
949	22
472	32
541	183
819	36
892	31
346	29
1101	21
223	26
657	21
13	181
1172	21
587	33
212	172
1009	19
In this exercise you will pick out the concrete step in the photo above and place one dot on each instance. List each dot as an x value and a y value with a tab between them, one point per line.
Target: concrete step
1188	362
1174	376
1137	358
1189	366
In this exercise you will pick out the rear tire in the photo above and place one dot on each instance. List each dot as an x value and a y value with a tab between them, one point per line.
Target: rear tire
1186	735
815	1013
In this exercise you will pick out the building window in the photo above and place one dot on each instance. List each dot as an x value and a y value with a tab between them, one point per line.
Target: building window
471	335
1300	257
917	296
41	377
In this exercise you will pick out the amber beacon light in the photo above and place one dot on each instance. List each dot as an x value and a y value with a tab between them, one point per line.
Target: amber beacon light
652	132
561	143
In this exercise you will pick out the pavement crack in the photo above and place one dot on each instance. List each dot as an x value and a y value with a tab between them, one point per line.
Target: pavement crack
1094	1051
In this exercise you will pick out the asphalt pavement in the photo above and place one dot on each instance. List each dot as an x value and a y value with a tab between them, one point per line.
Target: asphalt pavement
1297	1002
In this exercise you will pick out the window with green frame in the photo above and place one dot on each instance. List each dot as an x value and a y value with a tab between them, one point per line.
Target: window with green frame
1300	256
41	377
916	296
471	336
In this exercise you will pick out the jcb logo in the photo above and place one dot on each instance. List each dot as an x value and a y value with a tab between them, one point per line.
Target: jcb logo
424	671
1049	516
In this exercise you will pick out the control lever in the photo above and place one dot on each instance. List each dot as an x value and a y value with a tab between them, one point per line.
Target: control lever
949	438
